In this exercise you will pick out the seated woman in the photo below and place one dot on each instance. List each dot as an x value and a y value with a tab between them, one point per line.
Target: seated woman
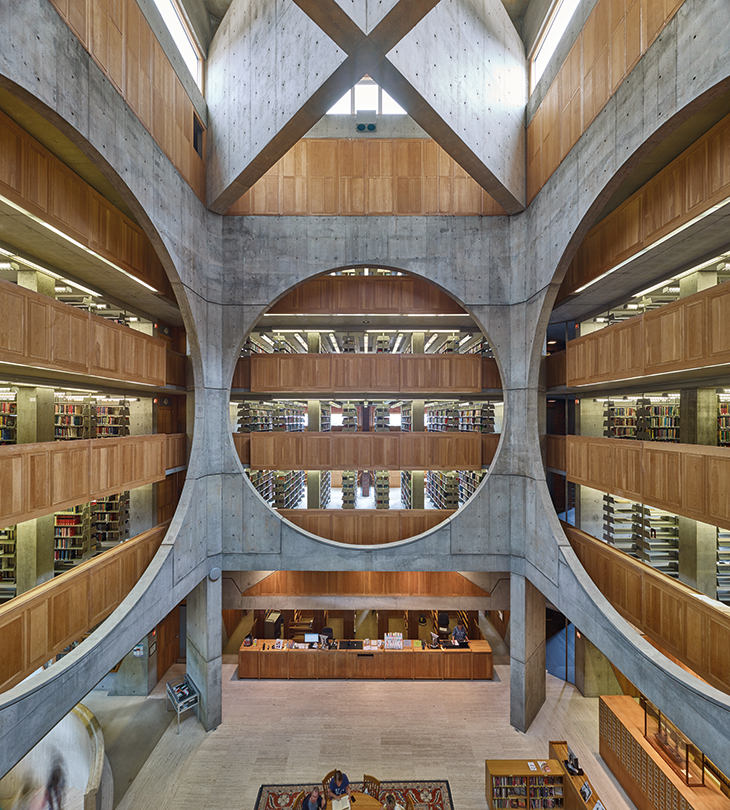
391	804
459	633
314	800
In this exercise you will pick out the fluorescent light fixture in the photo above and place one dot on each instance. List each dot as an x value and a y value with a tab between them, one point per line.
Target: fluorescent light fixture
68	239
397	343
365	341
267	339
464	339
301	340
333	341
655	245
431	340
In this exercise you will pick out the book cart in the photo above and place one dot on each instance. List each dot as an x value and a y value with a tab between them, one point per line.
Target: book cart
524	784
183	695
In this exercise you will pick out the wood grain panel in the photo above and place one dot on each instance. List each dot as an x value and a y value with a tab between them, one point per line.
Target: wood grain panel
38	624
36	180
373	177
614	37
675	616
686	479
41	478
49	334
689	333
691	184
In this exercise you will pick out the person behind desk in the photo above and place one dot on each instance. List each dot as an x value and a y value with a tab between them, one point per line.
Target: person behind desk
459	633
314	800
339	785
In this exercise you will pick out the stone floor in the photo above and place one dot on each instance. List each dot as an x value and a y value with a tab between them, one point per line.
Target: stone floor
286	731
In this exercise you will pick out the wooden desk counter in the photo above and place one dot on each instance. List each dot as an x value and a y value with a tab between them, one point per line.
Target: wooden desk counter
474	663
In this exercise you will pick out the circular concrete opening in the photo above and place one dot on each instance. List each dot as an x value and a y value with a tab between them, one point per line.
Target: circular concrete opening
366	406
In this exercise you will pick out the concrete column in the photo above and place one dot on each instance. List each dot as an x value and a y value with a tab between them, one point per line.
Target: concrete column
314	477
589	417
37	281
698	416
594	674
418	477
34	553
35	415
142	500
314	342
203	644
527	651
589	510
701	280
418	342
698	555
137	674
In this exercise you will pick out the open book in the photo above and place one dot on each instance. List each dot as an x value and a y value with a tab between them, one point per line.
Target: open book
342	803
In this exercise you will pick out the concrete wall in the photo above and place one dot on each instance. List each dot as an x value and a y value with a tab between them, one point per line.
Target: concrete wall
225	272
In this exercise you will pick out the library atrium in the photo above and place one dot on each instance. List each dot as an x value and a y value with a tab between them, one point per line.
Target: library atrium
365	403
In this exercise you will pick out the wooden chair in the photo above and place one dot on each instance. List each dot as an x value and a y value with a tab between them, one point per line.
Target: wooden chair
409	802
298	801
326	784
371	786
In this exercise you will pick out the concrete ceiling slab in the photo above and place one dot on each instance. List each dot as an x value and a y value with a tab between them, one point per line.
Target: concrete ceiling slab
30	237
682	251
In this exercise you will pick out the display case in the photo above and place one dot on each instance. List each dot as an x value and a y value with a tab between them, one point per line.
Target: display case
183	695
682	756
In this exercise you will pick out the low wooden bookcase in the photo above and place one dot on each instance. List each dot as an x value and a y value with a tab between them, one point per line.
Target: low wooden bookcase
511	784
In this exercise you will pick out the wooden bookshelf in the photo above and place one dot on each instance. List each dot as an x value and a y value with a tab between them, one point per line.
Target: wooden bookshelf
74	535
513	784
110	515
8	563
443	489
8	421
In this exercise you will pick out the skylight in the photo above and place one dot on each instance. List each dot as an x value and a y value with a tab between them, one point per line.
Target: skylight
551	36
366	95
181	36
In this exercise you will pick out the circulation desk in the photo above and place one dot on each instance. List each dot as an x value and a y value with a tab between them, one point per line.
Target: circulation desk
471	664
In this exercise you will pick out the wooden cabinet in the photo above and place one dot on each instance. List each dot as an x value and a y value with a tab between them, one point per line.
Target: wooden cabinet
367	665
428	665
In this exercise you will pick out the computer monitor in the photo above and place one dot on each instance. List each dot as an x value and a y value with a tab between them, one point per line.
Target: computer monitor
311	638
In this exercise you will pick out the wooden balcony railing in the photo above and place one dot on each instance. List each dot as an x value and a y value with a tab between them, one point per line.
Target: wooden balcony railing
366	526
39	624
176	450
41	332
40	478
681	620
371	373
686	479
687	334
555	452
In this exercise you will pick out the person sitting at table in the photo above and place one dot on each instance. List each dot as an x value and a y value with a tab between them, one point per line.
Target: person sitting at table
459	633
314	800
391	804
339	785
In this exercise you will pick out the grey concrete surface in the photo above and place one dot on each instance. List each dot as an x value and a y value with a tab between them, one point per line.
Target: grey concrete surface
225	272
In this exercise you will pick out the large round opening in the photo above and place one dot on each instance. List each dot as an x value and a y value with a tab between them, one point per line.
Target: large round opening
366	406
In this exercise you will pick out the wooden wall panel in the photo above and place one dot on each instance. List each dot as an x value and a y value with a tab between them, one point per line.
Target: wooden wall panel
678	618
357	295
692	183
555	452
54	335
614	37
120	40
36	180
363	451
686	334
38	624
368	177
37	479
686	479
370	373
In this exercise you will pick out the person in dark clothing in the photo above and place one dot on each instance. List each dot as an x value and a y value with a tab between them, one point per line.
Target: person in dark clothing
314	800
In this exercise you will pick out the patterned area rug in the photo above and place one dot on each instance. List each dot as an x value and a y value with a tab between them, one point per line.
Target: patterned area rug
426	795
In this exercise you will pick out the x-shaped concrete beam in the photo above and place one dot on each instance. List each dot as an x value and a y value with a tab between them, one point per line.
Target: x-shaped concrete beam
457	66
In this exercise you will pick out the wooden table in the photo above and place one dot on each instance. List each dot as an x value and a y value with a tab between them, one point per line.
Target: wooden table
364	802
472	663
